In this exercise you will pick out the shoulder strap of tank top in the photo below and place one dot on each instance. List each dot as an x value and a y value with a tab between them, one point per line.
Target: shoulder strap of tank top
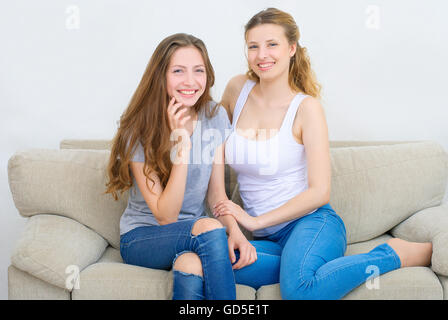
291	113
242	98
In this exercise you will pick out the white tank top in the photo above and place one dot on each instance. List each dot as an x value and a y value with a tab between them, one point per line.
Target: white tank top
270	171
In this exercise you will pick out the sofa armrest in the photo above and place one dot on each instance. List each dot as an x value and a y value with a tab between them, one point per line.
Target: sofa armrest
428	225
55	248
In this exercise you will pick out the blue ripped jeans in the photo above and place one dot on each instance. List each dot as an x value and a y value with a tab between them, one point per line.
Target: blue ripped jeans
158	247
307	258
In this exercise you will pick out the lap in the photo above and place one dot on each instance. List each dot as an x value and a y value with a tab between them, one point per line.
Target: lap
303	247
265	270
157	246
313	241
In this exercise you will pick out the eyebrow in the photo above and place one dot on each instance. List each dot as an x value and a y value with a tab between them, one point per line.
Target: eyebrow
184	67
270	40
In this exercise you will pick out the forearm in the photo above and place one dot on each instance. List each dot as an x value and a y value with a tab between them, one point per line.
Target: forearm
297	207
170	201
228	221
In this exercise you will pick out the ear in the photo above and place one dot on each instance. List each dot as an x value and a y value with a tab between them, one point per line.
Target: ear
292	49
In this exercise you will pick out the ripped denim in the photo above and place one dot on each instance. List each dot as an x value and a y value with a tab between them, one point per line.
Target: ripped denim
157	247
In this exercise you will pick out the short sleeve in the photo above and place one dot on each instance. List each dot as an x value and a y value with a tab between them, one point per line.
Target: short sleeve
139	154
223	123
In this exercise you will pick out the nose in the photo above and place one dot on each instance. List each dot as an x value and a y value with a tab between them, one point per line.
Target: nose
189	78
262	53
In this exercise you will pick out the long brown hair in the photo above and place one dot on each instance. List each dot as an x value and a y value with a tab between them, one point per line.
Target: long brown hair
145	120
301	77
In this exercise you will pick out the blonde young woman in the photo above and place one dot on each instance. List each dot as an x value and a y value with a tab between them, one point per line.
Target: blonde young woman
276	115
168	152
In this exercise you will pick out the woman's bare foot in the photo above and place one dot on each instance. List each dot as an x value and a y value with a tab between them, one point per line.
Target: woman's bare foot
412	254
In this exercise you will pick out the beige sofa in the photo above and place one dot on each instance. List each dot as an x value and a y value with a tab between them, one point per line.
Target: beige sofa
70	246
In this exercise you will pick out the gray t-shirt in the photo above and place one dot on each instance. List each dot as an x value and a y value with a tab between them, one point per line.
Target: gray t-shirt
208	134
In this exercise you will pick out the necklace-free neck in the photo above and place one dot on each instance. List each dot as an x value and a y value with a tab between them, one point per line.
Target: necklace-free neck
276	90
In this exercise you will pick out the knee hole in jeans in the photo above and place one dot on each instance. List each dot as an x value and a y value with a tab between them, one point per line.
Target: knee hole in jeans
188	262
205	225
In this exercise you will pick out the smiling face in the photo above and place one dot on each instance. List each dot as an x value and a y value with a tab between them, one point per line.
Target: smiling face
268	51
186	76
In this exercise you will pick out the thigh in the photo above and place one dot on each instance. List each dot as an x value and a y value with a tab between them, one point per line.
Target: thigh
314	240
265	270
156	246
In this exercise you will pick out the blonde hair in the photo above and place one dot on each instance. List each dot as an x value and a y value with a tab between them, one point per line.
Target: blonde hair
301	77
145	120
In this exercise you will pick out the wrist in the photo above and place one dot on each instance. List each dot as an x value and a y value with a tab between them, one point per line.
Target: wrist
258	223
231	225
233	229
180	154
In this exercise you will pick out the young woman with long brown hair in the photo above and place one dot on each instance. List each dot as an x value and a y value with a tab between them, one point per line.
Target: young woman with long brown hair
276	115
168	152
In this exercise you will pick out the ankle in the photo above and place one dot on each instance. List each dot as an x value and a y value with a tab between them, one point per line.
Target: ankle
412	254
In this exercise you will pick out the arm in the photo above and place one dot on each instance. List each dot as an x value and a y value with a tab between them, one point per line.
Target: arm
216	192
314	133
231	93
165	203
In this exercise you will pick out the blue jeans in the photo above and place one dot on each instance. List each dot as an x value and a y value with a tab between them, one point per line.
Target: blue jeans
158	247
307	258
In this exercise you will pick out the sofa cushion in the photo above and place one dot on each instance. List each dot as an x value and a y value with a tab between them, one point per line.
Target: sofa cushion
110	278
70	183
429	225
374	188
23	286
401	284
54	249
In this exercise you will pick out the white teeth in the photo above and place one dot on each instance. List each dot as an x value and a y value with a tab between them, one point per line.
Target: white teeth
265	65
186	92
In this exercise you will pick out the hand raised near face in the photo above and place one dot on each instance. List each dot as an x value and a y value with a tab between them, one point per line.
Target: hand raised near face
177	121
176	117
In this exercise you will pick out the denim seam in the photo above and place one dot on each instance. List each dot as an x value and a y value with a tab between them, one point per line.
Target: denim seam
163	235
197	240
345	266
268	254
393	254
309	248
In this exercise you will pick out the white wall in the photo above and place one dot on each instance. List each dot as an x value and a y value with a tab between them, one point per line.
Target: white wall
69	68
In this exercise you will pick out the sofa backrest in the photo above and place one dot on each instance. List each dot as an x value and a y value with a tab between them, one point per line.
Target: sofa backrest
69	183
374	187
